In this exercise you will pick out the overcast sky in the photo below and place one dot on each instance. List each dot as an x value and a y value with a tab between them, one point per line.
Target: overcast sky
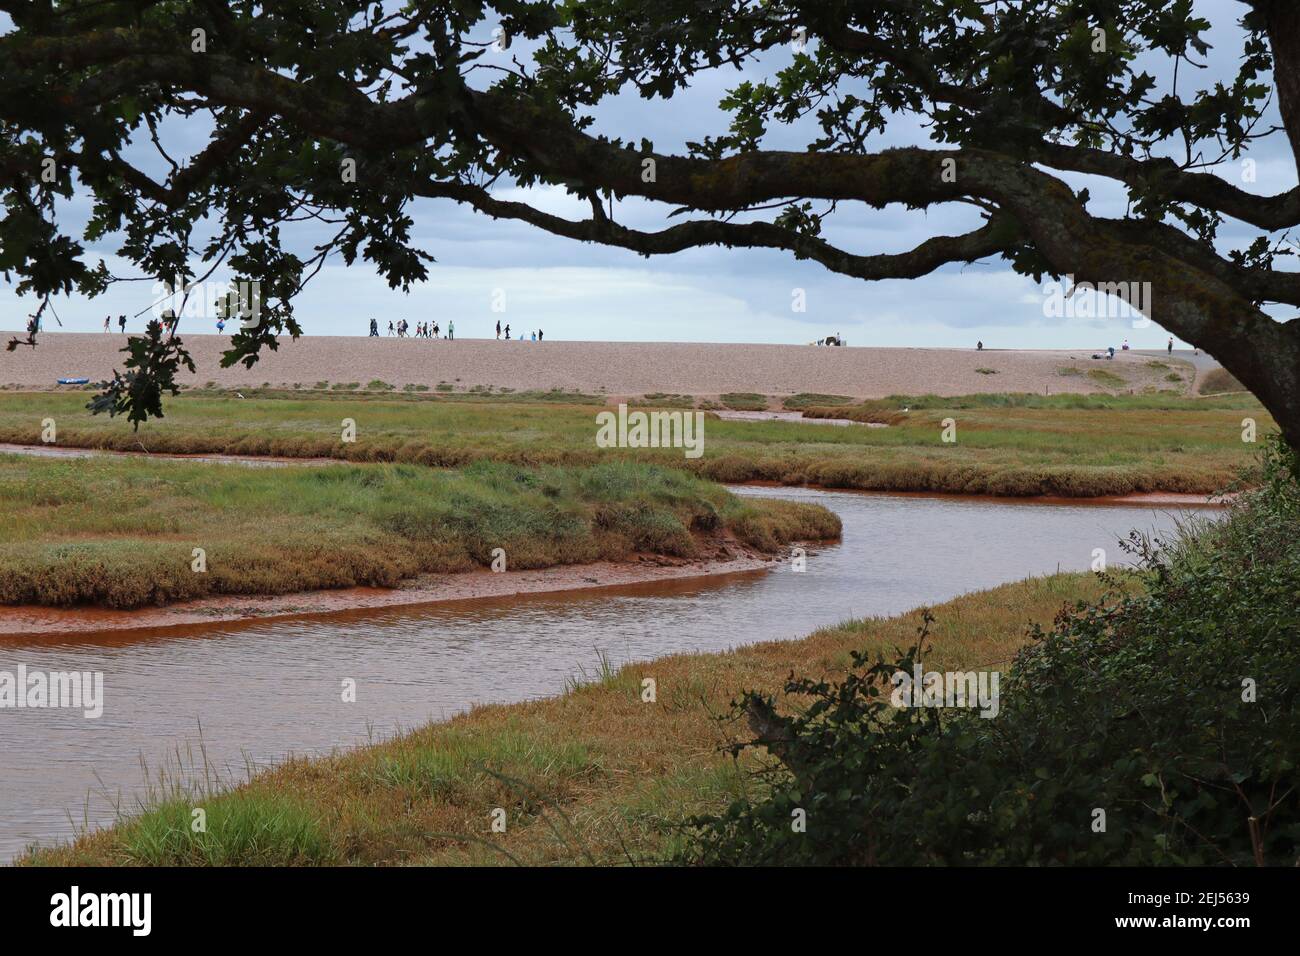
580	291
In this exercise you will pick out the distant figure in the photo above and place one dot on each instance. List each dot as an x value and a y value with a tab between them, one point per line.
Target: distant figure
221	326
499	329
374	328
1170	346
532	336
451	328
390	326
1111	351
539	335
507	331
107	321
121	322
1125	345
979	346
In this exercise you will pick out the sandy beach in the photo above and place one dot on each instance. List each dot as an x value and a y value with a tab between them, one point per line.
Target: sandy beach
609	368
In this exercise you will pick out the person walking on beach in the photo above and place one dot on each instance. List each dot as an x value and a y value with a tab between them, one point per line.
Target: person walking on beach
451	328
539	335
390	326
107	320
374	328
1170	346
507	331
499	330
121	322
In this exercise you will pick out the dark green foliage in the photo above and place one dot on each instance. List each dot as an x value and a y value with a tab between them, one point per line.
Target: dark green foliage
328	118
1173	710
151	366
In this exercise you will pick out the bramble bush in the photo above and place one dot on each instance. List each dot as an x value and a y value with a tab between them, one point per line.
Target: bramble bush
1171	707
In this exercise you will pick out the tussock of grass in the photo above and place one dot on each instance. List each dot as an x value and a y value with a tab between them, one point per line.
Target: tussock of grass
242	829
804	400
744	401
1220	380
665	400
593	775
1106	379
121	532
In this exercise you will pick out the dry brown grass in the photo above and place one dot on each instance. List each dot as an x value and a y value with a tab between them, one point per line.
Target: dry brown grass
593	775
1219	381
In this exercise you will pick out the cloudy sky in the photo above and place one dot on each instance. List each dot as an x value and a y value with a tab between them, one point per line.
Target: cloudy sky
580	291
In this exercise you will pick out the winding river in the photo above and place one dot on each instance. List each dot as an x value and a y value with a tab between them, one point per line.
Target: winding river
225	698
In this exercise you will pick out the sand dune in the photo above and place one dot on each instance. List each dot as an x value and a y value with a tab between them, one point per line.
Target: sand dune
611	368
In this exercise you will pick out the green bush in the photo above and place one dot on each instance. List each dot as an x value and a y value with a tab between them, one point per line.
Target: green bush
1171	707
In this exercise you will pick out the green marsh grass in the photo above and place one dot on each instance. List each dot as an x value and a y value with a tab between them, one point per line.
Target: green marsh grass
1008	444
120	532
744	401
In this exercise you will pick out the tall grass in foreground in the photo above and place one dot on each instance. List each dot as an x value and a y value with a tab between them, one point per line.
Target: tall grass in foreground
122	533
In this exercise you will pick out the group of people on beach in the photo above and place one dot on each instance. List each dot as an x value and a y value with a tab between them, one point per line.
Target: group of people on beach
532	336
1110	349
169	319
423	330
430	330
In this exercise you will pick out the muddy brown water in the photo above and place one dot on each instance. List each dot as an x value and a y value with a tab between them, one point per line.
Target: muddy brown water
261	691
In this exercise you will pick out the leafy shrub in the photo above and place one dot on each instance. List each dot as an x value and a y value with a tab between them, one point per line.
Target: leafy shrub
1172	708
